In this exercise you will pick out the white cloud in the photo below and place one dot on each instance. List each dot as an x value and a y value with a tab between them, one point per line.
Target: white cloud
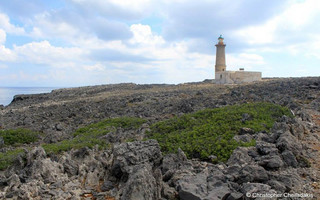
112	40
8	27
44	53
282	27
137	5
309	49
258	34
116	9
95	67
44	27
142	34
6	54
3	36
244	60
299	14
153	46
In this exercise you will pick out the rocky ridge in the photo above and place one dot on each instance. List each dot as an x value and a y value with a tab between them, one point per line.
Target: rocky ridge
286	160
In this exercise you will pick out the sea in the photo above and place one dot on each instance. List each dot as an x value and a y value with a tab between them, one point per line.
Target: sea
7	93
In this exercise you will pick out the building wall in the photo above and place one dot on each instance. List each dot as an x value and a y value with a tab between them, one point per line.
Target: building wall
235	77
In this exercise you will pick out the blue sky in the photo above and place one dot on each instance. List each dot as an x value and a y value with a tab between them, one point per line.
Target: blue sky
66	43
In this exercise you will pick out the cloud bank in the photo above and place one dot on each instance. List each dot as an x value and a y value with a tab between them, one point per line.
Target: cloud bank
81	42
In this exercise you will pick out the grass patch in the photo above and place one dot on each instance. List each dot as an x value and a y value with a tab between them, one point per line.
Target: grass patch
211	131
89	136
6	159
19	136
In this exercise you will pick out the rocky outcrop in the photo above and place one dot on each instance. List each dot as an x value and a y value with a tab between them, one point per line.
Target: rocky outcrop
283	160
128	171
137	170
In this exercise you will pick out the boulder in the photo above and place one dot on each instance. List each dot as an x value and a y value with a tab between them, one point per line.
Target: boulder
173	162
271	162
210	183
232	172
265	137
245	130
289	179
135	166
246	117
92	179
287	141
141	184
252	173
193	187
31	190
37	153
240	157
277	186
265	148
41	168
243	138
289	159
136	153
169	192
298	129
70	166
14	181
218	185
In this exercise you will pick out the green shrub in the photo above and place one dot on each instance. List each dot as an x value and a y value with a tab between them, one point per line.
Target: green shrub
88	136
7	158
211	131
19	136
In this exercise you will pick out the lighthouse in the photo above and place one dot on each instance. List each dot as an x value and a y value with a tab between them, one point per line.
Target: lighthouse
220	56
222	76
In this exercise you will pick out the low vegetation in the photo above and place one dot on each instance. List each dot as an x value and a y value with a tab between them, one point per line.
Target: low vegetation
7	158
14	139
19	136
199	135
89	136
211	131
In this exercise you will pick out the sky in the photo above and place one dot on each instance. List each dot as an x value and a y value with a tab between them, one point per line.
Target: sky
69	43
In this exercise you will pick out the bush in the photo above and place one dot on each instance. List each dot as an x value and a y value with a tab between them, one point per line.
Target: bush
88	136
211	131
19	136
7	158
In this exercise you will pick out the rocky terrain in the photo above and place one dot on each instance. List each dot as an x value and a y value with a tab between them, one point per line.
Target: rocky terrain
284	161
